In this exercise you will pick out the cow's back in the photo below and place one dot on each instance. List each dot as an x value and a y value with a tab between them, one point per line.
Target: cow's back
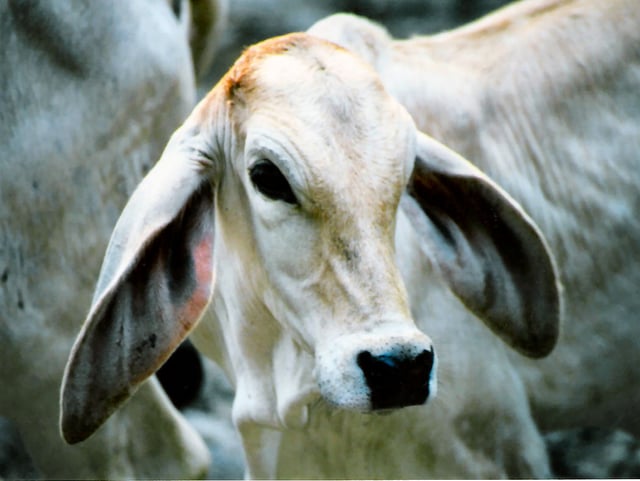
549	108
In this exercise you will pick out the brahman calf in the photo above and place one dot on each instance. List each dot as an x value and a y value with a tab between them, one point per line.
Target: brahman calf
337	256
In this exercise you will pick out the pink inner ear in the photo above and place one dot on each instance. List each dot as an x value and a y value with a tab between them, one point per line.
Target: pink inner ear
193	308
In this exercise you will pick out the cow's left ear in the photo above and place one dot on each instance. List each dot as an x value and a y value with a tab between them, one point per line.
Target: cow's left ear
488	249
156	280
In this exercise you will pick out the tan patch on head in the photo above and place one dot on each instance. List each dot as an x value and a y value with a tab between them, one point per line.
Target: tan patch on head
240	76
330	64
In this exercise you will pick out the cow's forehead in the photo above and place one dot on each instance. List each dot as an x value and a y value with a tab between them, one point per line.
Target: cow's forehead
329	107
296	60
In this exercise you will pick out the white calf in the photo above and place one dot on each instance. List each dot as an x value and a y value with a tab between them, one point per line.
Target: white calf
543	96
275	212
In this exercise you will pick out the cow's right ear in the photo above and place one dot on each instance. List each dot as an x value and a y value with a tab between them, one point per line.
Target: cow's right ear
156	280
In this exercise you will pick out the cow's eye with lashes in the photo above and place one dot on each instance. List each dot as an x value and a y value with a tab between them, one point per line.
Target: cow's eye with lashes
270	182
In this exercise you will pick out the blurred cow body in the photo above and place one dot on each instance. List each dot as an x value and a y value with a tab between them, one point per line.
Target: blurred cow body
89	93
543	97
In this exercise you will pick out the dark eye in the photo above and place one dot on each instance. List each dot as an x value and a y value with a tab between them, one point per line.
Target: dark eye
269	181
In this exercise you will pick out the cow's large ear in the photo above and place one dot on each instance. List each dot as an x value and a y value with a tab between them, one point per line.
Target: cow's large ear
156	280
491	253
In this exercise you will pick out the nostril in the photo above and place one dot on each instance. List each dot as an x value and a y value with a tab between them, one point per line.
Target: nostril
376	365
396	380
423	362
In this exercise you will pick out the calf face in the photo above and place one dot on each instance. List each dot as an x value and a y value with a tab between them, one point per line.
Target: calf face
316	184
278	199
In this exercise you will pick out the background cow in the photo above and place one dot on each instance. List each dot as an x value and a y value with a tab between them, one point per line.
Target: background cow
543	96
89	93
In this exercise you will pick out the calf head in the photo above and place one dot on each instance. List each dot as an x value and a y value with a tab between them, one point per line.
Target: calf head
274	205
